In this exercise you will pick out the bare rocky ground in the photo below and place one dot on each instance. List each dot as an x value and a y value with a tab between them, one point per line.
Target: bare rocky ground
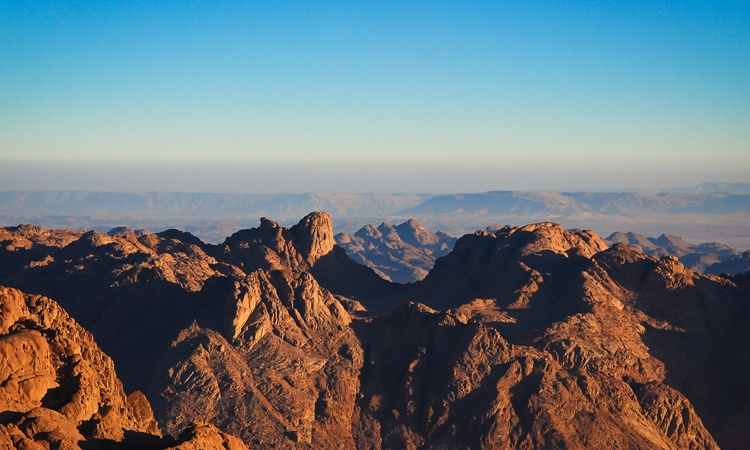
530	337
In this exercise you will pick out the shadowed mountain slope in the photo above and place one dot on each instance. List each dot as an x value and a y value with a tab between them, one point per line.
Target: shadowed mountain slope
734	266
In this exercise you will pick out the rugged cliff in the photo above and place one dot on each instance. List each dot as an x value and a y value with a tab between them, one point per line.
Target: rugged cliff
59	390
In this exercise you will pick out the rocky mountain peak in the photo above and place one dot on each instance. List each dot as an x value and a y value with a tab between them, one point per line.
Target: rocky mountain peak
182	236
388	232
666	240
708	257
524	256
96	239
271	246
552	236
633	239
368	232
403	253
414	233
267	224
314	236
127	230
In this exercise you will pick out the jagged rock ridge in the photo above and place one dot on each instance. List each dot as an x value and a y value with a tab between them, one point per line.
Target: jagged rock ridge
240	334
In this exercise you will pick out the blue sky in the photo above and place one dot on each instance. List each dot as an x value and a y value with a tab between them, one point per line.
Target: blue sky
375	81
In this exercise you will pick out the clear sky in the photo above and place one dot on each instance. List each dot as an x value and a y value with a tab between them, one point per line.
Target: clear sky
378	81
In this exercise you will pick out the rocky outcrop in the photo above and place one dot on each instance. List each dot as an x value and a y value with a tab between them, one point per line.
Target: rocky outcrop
285	368
59	390
510	266
553	352
656	345
403	253
230	333
204	436
694	324
272	247
55	381
436	381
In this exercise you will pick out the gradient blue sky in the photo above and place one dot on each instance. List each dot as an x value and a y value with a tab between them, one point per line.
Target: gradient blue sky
376	81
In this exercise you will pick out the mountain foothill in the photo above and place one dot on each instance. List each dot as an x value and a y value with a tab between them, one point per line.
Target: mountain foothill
532	337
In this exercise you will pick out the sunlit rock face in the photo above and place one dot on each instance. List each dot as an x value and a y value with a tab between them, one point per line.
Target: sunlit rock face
58	387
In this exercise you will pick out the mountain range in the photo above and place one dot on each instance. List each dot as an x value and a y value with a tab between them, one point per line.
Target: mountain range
525	337
698	214
403	253
406	253
167	204
710	257
708	188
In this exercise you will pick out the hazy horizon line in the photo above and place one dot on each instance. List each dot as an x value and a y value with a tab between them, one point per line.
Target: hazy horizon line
624	190
346	177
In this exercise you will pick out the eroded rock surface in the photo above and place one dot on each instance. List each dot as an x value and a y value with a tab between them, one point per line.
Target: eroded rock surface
284	371
55	381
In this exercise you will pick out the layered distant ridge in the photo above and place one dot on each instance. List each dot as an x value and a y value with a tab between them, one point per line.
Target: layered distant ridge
710	257
707	212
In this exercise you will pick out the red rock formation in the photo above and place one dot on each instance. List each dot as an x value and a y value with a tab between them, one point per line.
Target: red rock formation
285	369
530	337
55	380
59	390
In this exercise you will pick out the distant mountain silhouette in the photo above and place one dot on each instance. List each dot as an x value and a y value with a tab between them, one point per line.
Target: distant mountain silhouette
708	188
706	257
734	266
515	203
211	217
403	253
